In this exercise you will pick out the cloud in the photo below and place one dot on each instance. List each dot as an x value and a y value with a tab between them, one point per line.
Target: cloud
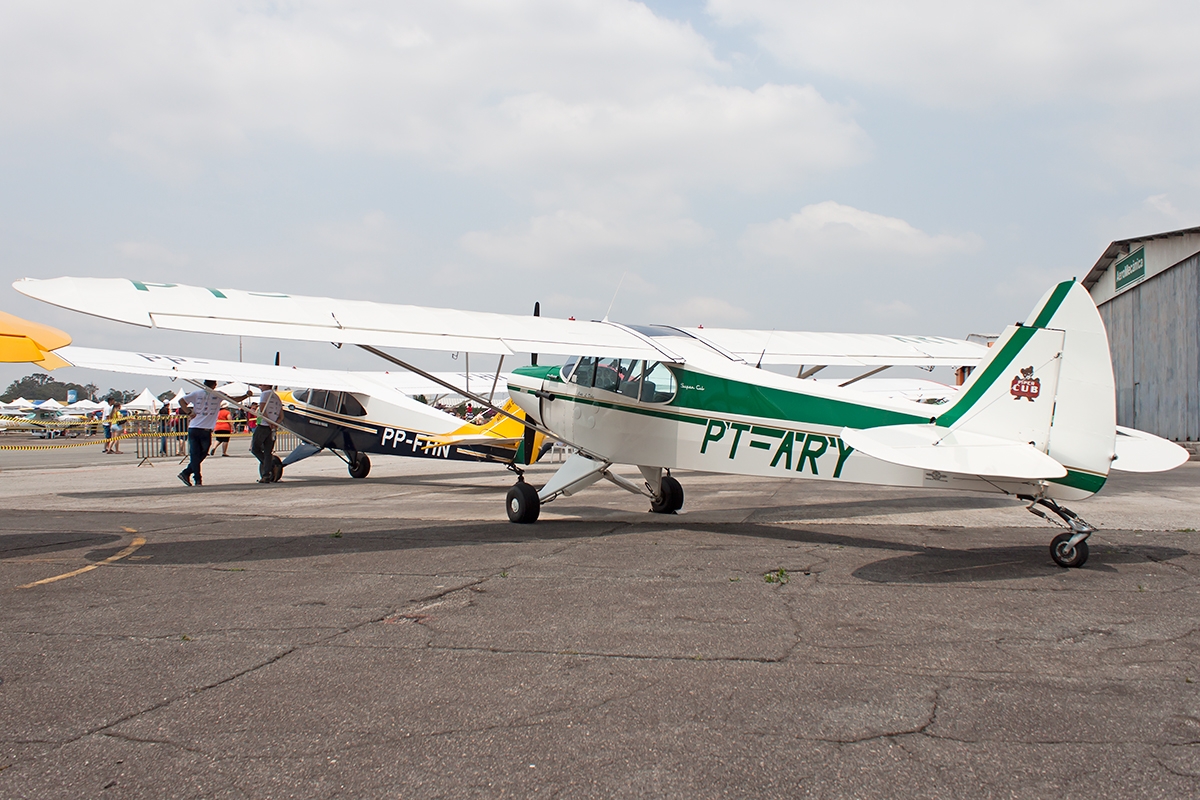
151	253
566	236
944	52
830	230
373	234
559	90
1155	214
699	310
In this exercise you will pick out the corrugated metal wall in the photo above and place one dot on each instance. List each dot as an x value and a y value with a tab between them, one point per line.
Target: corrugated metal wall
1154	333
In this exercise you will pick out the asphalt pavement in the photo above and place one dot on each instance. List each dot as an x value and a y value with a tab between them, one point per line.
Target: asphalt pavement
397	637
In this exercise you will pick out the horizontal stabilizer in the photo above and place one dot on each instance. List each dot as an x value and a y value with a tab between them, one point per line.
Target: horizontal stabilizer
1138	451
931	447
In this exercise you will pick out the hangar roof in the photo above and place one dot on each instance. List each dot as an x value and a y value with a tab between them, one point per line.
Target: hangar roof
1122	248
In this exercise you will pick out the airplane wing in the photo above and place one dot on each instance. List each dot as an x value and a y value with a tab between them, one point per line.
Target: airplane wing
378	384
281	316
842	349
22	340
320	319
199	369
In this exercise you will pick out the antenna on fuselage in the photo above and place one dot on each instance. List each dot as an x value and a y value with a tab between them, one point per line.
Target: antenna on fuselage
614	297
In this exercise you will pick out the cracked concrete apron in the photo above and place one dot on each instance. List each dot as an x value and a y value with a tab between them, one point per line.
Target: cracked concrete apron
395	637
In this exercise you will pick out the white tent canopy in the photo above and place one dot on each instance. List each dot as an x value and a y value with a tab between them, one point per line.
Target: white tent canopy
146	401
50	405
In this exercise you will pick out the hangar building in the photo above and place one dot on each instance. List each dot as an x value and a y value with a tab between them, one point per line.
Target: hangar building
1148	292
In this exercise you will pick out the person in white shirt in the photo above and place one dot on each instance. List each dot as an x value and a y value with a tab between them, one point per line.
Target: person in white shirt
262	443
202	407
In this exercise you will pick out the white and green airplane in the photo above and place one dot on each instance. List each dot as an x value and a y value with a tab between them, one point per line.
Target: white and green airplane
1036	419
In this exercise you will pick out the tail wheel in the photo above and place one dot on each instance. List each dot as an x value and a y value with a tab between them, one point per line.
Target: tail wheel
360	466
671	499
523	504
1064	554
276	469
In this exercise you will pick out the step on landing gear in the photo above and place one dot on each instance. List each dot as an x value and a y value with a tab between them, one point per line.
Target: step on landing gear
1068	549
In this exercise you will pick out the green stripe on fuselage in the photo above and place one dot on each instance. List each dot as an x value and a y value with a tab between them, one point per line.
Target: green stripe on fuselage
709	395
723	396
1078	479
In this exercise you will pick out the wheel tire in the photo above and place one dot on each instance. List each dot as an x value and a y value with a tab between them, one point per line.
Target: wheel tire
360	467
672	497
1066	556
276	469
523	504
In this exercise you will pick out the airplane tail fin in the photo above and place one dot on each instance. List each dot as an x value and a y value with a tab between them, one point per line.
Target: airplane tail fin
1049	383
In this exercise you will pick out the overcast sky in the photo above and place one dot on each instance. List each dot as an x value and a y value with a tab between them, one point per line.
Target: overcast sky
920	167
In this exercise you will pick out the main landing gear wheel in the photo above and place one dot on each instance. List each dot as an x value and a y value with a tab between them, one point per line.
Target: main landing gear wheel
523	503
671	499
360	467
1064	554
276	469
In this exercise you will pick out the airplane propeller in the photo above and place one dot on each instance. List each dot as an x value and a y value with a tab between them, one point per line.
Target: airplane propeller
530	433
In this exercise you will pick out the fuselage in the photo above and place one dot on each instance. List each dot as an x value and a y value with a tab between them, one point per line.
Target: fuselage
361	423
715	414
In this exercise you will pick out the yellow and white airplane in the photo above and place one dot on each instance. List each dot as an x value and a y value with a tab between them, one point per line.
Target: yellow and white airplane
1036	420
353	414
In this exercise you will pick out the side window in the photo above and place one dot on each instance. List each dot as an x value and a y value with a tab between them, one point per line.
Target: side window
351	407
317	398
585	372
659	384
631	378
608	374
332	401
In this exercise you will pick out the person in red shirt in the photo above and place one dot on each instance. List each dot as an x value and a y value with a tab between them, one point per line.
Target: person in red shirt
222	431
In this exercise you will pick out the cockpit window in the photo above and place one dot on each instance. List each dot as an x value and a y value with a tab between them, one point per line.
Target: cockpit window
301	396
608	374
584	372
317	397
648	382
564	372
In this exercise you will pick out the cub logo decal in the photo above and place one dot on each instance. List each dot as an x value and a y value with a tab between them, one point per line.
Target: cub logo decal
1025	385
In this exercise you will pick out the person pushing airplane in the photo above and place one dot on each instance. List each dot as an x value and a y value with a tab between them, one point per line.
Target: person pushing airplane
202	407
262	443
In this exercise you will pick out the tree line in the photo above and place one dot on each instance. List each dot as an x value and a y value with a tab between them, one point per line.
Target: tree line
40	386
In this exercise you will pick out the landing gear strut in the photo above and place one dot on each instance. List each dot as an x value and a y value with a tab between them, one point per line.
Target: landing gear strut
1068	549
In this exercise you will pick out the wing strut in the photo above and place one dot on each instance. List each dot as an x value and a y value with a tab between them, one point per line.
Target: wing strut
875	371
527	422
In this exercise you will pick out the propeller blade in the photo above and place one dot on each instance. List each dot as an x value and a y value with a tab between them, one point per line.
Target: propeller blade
537	312
530	433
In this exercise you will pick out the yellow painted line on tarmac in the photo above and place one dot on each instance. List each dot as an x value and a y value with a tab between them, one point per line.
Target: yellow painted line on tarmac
137	542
